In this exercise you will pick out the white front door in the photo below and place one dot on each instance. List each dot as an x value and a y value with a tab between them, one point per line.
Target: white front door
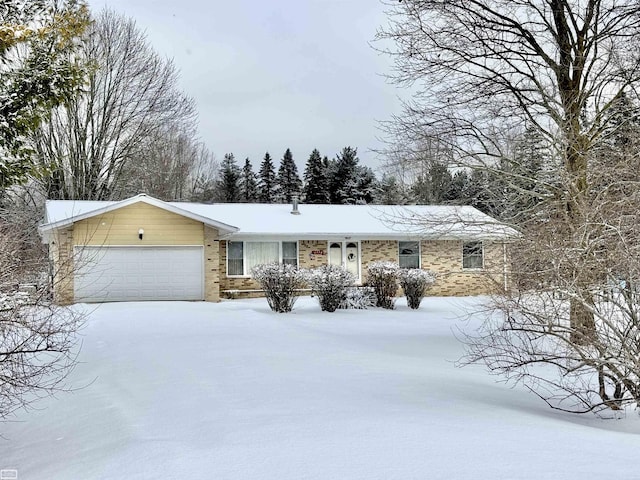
335	253
347	255
352	258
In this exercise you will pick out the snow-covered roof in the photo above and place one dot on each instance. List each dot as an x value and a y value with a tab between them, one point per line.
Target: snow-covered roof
61	213
249	220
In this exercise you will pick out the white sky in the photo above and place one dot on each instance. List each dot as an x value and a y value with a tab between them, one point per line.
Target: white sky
267	75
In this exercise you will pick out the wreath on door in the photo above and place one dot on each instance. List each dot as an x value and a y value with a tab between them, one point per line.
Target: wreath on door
351	257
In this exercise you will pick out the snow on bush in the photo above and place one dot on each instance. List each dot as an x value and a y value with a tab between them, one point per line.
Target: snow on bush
329	283
280	283
10	301
415	282
383	276
359	298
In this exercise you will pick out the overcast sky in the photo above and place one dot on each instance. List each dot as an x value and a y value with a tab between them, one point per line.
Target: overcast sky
267	75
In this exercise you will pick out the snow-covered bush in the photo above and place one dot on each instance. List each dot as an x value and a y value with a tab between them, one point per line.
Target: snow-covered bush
10	301
415	282
280	283
329	283
383	277
359	298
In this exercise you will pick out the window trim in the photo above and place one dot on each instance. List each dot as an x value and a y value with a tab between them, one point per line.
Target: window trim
297	251
481	255
227	250
246	274
419	252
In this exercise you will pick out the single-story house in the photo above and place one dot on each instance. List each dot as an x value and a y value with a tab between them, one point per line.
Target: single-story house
143	248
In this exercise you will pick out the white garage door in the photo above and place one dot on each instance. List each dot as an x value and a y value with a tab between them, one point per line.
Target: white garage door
116	274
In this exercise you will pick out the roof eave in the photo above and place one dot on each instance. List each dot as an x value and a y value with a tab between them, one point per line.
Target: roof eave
488	236
46	228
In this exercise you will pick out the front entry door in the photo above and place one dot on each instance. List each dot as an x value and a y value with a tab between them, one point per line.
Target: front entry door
347	255
352	259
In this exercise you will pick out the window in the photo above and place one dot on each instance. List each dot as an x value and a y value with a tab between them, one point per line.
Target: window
409	254
259	253
290	253
243	256
472	255
235	258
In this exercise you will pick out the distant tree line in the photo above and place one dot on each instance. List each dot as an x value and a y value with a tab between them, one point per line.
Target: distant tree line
343	180
340	181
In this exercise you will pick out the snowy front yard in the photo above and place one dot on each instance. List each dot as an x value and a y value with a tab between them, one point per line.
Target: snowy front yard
233	391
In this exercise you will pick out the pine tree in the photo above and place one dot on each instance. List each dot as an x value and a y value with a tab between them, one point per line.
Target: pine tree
289	183
316	189
434	186
229	183
39	78
477	193
267	180
343	179
389	191
523	190
367	184
248	183
458	185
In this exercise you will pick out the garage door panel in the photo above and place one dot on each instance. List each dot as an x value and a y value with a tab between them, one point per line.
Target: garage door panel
139	273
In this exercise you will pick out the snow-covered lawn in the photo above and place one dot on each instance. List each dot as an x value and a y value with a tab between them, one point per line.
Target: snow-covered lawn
233	391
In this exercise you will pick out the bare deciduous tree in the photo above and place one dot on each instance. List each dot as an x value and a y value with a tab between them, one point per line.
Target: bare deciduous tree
164	166
38	341
487	71
130	97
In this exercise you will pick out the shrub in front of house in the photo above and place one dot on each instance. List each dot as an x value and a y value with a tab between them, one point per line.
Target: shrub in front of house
329	283
358	298
415	282
383	278
281	284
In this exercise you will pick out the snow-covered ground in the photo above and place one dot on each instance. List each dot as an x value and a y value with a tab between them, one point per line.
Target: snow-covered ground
233	391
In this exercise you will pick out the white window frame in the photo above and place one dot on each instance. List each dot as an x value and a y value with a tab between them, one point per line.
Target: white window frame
246	274
227	259
462	255
419	251
297	251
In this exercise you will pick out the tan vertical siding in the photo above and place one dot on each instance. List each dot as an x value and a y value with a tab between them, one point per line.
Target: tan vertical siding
120	227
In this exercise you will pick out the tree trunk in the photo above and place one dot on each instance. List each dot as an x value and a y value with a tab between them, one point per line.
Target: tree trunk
583	326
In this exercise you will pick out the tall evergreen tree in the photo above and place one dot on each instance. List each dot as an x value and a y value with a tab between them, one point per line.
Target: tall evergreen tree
477	192
38	71
522	175
434	186
316	188
343	179
248	183
267	180
389	191
229	183
367	184
289	183
457	187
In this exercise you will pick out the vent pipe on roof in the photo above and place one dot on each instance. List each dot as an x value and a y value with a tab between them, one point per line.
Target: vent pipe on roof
295	210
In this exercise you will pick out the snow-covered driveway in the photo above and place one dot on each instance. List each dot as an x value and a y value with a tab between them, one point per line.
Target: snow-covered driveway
233	391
